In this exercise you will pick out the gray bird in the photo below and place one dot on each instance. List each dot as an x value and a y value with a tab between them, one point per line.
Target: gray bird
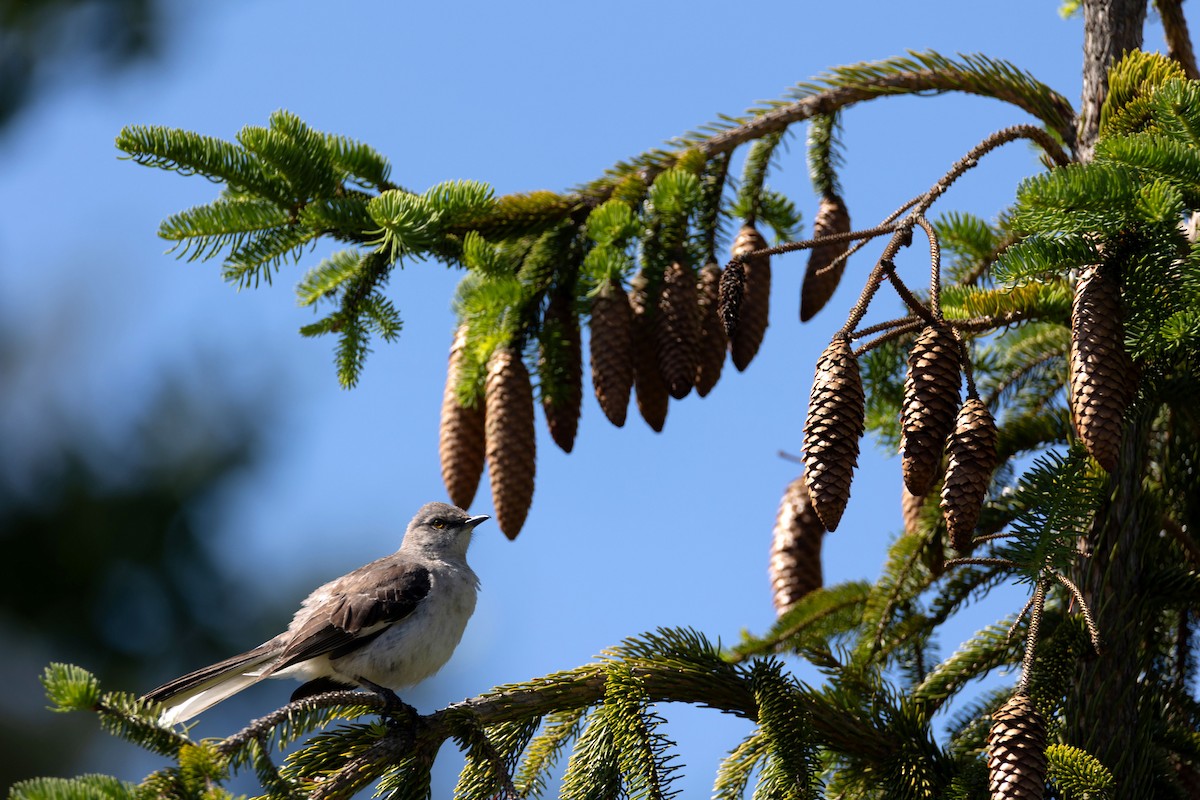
390	624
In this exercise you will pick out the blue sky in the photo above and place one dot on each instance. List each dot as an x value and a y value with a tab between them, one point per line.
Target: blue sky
632	531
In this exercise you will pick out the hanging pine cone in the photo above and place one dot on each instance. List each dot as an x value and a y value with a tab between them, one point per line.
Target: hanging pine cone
831	432
648	384
730	292
461	434
930	402
910	510
677	330
795	548
511	442
612	351
710	350
820	281
1016	751
972	451
562	370
755	306
1102	382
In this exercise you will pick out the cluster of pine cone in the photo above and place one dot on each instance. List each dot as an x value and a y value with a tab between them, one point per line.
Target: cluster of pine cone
933	424
498	431
654	348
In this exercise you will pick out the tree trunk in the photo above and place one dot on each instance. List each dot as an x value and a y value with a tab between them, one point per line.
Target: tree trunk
1103	714
1110	28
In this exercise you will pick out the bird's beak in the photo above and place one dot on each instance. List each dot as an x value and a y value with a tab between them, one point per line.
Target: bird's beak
473	521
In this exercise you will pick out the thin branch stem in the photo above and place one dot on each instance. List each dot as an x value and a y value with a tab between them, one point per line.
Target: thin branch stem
1032	636
911	299
1086	612
982	561
908	327
935	268
788	247
884	326
832	100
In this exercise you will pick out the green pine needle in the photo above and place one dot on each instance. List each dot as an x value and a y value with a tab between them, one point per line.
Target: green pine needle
71	688
203	231
85	787
1077	774
191	153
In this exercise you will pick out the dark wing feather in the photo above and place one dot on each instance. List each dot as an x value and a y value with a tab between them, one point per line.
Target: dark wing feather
363	604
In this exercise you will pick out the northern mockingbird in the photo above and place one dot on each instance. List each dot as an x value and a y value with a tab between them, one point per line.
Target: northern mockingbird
387	625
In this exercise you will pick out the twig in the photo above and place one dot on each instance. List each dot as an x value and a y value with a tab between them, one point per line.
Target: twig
898	331
1086	612
1032	636
935	268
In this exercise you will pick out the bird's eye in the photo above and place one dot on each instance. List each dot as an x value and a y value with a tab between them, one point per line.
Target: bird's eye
438	523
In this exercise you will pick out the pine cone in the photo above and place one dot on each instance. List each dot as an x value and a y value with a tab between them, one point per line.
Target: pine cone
612	351
1102	382
831	432
730	292
930	402
755	307
795	548
972	450
1016	751
677	330
649	386
820	282
562	362
461	434
910	510
511	442
710	350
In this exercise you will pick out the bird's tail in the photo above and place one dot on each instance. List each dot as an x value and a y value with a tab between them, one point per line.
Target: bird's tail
189	695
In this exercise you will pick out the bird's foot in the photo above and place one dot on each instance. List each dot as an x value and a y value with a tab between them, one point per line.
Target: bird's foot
393	707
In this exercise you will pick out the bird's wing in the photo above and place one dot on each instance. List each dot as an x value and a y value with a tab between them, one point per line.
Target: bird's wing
360	607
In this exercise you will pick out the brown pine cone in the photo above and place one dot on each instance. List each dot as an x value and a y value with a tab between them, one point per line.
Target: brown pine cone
1102	374
562	358
819	281
910	510
511	442
831	432
710	350
730	292
612	351
930	403
649	387
461	434
795	548
972	451
677	330
1016	751
755	306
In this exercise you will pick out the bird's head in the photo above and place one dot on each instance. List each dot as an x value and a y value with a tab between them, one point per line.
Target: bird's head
441	530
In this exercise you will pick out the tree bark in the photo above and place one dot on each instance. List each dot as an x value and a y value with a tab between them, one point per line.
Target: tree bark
1104	713
1110	29
1175	30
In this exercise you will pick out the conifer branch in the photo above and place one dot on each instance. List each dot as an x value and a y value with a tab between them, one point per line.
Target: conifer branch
868	81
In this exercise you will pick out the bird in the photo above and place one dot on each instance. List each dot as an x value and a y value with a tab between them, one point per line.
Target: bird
387	625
